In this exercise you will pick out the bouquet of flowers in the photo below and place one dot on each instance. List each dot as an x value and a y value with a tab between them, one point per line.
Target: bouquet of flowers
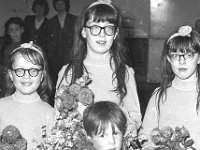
169	139
11	139
68	132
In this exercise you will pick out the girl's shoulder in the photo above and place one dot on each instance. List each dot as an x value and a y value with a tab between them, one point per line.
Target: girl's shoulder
4	101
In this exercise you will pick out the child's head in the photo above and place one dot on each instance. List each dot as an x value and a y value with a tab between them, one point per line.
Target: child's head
105	124
27	72
14	29
61	4
181	53
40	7
99	27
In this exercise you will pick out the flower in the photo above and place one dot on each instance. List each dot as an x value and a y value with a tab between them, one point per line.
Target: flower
169	139
85	96
68	96
184	30
130	142
11	139
10	134
68	132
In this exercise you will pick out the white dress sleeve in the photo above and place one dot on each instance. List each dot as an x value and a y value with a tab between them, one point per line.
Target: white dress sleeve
131	101
150	121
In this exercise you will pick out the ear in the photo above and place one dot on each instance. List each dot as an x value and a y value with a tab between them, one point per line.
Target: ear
116	33
10	75
83	32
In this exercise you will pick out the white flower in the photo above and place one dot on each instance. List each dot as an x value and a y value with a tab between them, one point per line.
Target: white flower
184	30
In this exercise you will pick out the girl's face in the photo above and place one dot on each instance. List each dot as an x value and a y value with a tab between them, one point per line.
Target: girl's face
98	45
184	65
26	84
109	140
15	32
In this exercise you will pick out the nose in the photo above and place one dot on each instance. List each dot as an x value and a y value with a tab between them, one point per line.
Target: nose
111	139
102	32
26	74
182	59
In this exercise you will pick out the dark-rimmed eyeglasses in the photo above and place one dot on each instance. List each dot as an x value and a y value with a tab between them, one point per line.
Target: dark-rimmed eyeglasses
96	30
20	72
187	56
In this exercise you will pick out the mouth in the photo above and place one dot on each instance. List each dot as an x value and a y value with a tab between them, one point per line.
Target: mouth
101	42
26	83
182	69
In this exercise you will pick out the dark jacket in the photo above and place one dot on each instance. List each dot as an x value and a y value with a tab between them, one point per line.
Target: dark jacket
38	36
60	42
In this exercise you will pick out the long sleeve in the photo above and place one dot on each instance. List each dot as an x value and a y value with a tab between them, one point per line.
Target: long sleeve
150	121
131	100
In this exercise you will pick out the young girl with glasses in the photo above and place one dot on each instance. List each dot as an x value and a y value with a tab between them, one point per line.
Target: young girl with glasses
28	88
99	53
176	101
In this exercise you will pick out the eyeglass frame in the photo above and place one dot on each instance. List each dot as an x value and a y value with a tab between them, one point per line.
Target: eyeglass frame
182	55
24	71
90	27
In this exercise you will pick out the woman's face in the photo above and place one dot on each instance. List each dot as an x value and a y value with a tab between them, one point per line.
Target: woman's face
184	65
26	84
110	140
98	45
60	6
39	10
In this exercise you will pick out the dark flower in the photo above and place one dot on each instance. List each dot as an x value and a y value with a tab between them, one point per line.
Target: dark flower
74	89
156	136
10	134
167	132
21	144
85	96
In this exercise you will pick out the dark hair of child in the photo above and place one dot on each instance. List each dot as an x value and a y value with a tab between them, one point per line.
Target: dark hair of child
98	116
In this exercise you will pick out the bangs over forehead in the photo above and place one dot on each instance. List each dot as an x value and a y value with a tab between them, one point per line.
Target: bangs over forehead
184	44
102	124
31	56
103	13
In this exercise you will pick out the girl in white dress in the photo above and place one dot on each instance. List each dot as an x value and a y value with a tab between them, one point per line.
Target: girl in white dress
98	53
28	88
176	102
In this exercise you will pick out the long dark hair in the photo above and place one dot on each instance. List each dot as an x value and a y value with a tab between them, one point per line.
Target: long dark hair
179	43
98	13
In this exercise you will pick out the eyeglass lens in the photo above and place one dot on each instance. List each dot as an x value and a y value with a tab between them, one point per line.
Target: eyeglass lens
96	30
187	56
20	72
